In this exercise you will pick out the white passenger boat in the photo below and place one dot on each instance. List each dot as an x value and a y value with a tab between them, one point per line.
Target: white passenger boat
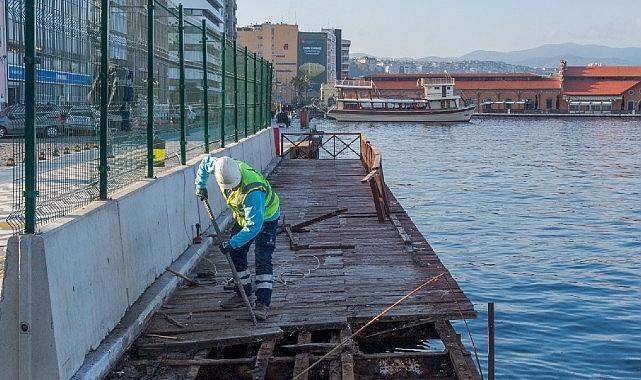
359	100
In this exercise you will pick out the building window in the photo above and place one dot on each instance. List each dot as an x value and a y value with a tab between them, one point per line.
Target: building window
631	92
507	103
548	104
630	105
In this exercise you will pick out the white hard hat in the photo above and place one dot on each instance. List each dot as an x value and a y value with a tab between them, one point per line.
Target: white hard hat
227	173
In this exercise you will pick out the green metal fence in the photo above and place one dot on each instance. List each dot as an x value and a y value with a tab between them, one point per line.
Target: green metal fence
112	91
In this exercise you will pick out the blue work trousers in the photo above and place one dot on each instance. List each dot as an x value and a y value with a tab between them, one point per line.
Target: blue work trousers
263	250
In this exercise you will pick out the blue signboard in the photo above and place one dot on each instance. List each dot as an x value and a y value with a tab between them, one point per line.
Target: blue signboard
16	73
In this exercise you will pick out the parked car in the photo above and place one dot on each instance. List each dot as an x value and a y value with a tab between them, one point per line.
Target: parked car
49	120
82	120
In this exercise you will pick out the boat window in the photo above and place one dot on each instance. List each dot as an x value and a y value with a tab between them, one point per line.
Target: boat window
437	87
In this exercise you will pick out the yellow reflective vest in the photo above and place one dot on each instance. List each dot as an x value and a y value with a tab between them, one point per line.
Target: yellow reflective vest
251	180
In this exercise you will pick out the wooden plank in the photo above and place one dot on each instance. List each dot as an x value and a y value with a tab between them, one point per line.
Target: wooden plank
192	372
335	365
347	358
457	353
206	340
301	361
265	353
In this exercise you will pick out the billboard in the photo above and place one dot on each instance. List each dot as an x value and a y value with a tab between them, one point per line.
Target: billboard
312	58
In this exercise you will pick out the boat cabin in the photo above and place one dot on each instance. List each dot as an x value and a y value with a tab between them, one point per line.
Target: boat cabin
363	95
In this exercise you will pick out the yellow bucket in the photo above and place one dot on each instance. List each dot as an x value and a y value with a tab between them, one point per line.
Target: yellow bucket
160	153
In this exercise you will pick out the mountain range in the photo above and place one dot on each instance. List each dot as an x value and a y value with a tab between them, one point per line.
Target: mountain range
547	55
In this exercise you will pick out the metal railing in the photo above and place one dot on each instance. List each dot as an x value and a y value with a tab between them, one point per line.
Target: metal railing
139	88
437	81
355	83
321	145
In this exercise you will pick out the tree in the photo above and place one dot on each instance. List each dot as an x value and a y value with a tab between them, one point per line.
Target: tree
301	85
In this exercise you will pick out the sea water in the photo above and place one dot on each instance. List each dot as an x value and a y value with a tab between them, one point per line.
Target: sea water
540	216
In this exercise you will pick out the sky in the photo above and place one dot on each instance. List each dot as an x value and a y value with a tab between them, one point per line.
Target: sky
419	28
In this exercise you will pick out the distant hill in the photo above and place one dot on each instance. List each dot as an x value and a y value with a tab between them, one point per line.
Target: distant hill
547	55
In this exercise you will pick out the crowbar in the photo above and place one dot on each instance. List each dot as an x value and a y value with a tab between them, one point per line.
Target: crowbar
239	285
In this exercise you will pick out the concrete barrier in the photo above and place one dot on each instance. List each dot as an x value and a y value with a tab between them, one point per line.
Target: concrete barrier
67	287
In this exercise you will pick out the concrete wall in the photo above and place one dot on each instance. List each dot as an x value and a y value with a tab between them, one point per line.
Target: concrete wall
80	275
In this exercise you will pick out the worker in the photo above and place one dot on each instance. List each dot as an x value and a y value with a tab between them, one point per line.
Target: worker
255	208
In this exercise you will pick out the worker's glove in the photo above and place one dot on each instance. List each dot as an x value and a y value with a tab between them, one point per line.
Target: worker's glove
225	247
201	193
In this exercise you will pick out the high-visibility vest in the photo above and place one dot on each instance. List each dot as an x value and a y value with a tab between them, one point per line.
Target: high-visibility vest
251	180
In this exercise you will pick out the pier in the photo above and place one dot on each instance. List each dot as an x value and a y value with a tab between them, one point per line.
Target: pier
347	251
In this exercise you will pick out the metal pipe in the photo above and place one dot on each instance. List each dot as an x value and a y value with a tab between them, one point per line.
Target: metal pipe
223	101
490	341
181	86
150	88
205	88
104	94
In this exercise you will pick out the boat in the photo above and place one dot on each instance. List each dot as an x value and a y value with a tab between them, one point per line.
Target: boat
359	100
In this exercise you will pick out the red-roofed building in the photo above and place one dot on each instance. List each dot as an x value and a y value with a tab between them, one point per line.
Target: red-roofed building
577	89
492	92
601	89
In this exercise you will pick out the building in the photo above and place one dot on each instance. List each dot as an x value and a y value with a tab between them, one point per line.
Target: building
212	11
333	55
601	89
66	50
230	18
344	66
3	57
491	92
278	44
577	89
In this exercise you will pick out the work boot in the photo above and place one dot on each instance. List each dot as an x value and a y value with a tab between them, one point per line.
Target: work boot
260	311
234	302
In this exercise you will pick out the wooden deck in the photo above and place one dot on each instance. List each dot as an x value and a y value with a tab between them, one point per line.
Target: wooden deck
316	288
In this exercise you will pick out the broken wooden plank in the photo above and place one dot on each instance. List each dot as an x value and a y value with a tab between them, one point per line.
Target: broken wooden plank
320	218
265	353
209	339
310	347
184	277
347	358
302	359
457	353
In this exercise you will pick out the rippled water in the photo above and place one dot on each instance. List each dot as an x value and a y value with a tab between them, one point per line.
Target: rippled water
543	217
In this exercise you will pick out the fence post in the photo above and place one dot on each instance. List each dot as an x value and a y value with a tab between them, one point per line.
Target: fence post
150	88
270	91
246	94
255	97
30	173
235	91
205	88
223	101
181	86
104	95
261	113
